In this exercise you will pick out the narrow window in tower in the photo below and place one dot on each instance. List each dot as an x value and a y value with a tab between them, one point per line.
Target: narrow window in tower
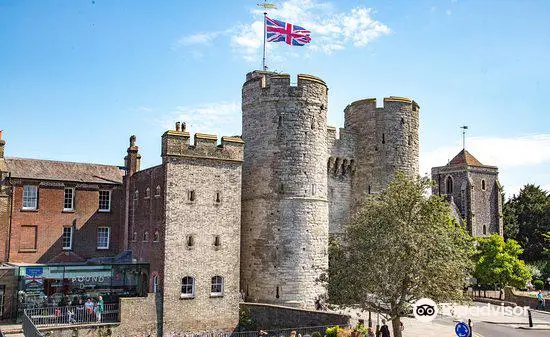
483	184
313	190
280	122
281	189
402	120
217	241
369	189
218	198
312	124
190	241
191	195
484	230
449	185
383	139
410	139
277	292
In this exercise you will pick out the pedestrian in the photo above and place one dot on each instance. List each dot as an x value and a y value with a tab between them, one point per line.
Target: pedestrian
384	330
100	308
540	300
370	332
89	307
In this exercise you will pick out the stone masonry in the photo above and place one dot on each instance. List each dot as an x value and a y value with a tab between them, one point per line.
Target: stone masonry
301	183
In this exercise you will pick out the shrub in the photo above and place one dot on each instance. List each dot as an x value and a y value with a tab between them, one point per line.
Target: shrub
332	332
538	284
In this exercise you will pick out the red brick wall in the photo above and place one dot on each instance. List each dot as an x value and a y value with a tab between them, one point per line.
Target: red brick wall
49	220
147	214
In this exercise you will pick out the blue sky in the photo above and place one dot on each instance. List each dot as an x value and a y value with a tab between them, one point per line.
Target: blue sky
77	78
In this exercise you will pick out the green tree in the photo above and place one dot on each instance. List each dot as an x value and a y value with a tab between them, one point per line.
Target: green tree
498	264
526	219
401	246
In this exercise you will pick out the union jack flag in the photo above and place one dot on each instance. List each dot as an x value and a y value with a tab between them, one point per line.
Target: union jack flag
279	31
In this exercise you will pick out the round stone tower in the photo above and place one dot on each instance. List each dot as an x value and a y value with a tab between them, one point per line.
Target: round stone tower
284	236
387	142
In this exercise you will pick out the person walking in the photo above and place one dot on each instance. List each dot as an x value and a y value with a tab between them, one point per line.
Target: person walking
370	332
384	330
89	307
540	300
100	308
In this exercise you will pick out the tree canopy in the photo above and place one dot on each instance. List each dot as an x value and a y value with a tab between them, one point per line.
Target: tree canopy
498	263
527	219
401	246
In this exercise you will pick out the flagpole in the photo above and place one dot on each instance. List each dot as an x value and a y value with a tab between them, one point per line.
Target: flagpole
264	67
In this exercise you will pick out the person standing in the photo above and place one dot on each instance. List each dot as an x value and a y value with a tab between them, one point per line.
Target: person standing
100	308
540	300
384	330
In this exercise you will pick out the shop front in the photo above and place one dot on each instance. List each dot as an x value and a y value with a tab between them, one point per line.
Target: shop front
62	285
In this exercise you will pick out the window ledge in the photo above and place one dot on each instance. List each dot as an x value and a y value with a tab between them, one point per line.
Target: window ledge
68	211
104	211
67	249
29	210
216	295
186	297
27	250
102	248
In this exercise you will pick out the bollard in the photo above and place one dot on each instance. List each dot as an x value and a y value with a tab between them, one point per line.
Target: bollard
530	318
470	326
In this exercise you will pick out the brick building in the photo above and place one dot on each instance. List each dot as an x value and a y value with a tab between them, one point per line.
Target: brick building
54	211
184	219
474	192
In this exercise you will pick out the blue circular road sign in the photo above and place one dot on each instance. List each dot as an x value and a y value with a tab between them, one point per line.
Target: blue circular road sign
462	329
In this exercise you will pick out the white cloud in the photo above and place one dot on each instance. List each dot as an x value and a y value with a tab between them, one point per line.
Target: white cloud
519	159
220	118
330	30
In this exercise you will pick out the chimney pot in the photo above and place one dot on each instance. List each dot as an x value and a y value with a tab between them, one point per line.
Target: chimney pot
183	126
177	126
1	134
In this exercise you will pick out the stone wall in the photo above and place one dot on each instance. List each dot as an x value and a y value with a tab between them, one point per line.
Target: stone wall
340	172
140	316
387	142
284	207
522	301
269	316
203	207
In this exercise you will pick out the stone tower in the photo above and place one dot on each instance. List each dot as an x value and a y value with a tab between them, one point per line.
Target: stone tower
284	205
474	192
387	142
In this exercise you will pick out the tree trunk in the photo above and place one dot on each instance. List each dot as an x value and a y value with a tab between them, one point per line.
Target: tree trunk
396	325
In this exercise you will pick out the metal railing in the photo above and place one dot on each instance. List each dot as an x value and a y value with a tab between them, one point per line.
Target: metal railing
29	329
51	316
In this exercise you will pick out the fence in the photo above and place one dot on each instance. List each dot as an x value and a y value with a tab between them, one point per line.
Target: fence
29	329
52	316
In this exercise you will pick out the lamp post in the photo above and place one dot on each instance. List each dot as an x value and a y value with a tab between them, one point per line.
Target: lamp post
370	319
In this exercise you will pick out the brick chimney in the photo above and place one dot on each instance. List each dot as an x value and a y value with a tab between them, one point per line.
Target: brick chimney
132	160
2	144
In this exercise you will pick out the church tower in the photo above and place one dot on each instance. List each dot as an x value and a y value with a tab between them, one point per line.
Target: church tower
474	192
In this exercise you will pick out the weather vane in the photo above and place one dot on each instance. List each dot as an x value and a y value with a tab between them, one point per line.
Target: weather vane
464	128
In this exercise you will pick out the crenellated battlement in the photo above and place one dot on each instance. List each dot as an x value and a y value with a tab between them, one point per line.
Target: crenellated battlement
271	84
371	103
176	143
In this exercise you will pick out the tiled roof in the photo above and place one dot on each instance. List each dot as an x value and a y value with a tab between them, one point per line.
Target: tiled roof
63	171
464	158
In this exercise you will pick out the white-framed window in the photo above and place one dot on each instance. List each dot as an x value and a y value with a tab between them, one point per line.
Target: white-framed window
103	237
156	236
157	192
134	237
67	238
104	200
145	237
217	286
155	283
147	193
30	197
187	287
68	199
